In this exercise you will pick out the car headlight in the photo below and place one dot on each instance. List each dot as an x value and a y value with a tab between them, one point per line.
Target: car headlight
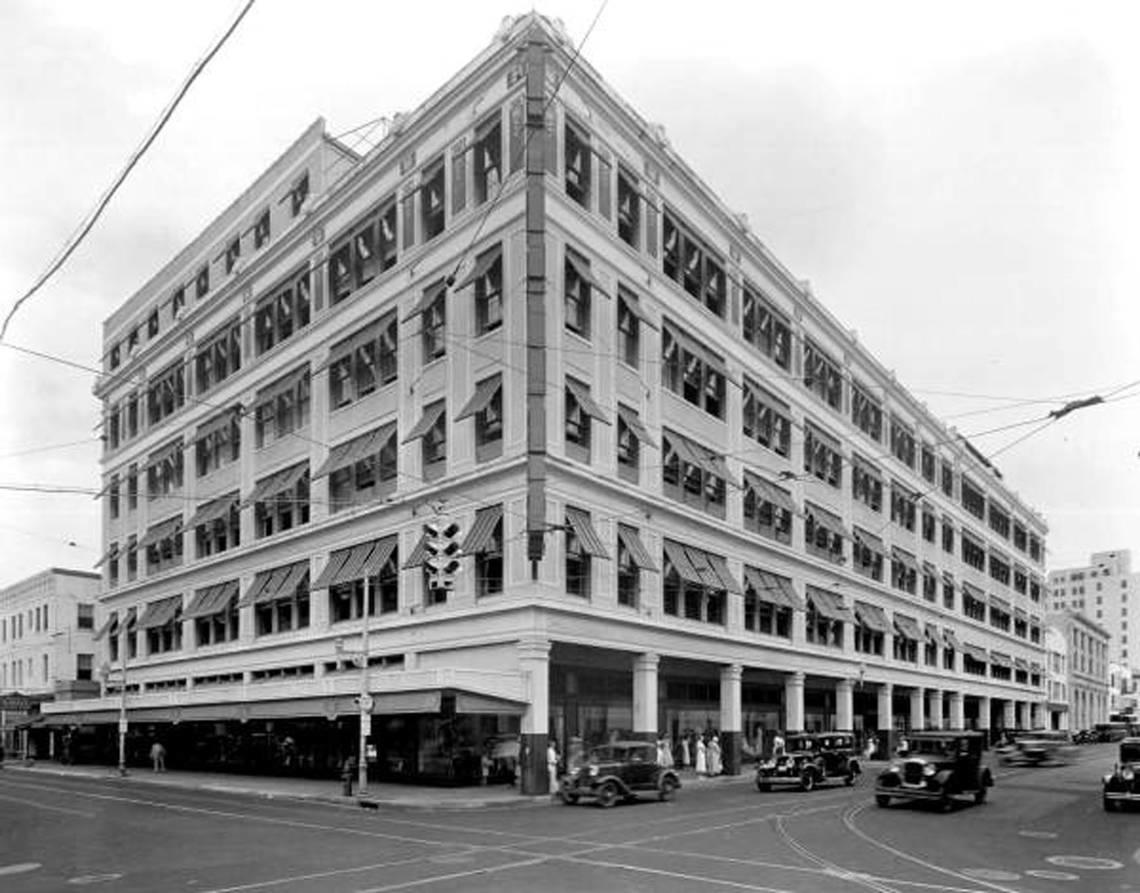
574	770
768	764
928	770
894	767
1128	774
593	771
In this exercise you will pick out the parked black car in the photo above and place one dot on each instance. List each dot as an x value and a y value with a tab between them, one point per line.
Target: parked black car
939	766
620	771
809	760
1122	785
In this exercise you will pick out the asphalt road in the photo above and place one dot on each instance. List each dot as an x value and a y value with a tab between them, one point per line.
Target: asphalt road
1042	830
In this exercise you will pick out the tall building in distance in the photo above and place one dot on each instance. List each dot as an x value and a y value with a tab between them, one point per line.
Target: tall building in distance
1107	591
687	499
1084	667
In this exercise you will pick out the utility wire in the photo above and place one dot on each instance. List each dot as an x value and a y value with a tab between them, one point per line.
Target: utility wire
85	227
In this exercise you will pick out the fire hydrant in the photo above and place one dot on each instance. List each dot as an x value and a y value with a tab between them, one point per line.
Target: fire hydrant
348	775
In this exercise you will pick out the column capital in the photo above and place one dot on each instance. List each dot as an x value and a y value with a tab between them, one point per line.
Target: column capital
844	685
796	677
533	648
731	673
647	661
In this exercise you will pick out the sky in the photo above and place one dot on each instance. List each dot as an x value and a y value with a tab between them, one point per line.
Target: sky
958	182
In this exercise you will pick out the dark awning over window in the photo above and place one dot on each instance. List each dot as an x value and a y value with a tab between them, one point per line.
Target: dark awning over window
869	540
161	612
978	654
630	538
345	454
212	600
273	484
769	492
277	582
698	559
677	555
907	627
931	632
998	659
873	617
220	422
905	558
692	452
1000	603
485	392
482	530
973	591
158	532
634	423
583	271
110	627
214	510
1020	663
589	405
579	522
131	620
426	423
829	605
833	524
483	263
426	300
929	569
773	588
356	562
720	567
636	309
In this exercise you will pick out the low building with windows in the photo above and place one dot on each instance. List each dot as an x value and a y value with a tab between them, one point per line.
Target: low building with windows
47	652
688	499
1086	667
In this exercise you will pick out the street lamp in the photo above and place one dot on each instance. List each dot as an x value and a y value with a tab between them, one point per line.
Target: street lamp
108	675
364	701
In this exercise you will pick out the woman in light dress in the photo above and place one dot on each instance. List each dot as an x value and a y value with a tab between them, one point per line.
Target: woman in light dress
715	765
702	757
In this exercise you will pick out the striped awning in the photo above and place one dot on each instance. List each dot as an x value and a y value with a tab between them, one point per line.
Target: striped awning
632	421
677	555
581	394
427	421
220	422
978	654
579	522
907	627
634	306
110	627
702	457
482	530
773	588
720	567
428	298
356	562
950	640
161	612
769	492
829	605
274	583
485	392
872	542
973	591
214	510
483	263
1020	663
583	272
631	540
158	532
931	633
344	454
277	483
1000	659
833	524
904	558
212	600
872	616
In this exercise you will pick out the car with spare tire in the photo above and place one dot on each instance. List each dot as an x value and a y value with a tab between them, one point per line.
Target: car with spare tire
808	760
620	770
939	767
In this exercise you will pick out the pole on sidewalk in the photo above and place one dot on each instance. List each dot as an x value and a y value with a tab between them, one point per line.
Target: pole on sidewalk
365	694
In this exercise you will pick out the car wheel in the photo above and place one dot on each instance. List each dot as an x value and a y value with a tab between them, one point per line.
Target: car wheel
849	779
882	800
569	799
667	790
980	795
763	786
608	795
946	803
1110	805
807	780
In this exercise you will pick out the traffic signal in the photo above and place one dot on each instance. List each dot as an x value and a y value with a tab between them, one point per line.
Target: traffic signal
442	559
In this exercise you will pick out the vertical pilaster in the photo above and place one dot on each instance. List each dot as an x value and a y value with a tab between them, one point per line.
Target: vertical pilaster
731	720
1009	714
844	706
645	696
984	715
917	710
534	664
794	702
934	720
886	717
957	711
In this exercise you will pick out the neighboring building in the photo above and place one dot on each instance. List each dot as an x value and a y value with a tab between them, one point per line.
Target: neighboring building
688	497
1107	591
47	626
1087	681
1056	678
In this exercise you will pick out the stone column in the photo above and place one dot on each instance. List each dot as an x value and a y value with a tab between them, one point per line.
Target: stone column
934	720
1009	714
886	720
794	702
917	710
645	696
844	706
731	720
1035	721
984	716
534	664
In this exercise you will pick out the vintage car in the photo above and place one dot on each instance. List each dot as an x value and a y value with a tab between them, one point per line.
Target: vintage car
808	760
939	766
1122	785
1036	748
619	771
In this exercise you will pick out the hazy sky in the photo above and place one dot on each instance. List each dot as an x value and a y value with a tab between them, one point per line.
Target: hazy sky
959	182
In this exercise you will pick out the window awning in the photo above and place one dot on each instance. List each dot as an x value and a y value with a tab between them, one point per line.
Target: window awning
1019	614
1000	603
1034	667
866	467
677	555
950	639
1020	663
160	531
769	492
720	567
483	263
905	558
948	578
698	558
214	509
978	654
636	309
426	300
632	421
583	272
274	484
161	612
907	627
110	555
283	385
872	542
931	633
693	453
631	539
131	620
873	617
356	562
352	451
833	524
973	591
418	555
929	569
485	392
426	423
829	605
998	659
220	422
212	600
168	452
774	588
109	628
274	583
579	522
482	531
589	406
690	344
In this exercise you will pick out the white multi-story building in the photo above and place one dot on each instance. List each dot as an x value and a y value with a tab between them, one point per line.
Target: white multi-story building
688	497
47	626
1086	667
1056	678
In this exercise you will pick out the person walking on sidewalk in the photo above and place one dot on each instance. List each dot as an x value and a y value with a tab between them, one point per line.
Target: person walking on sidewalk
552	767
158	756
702	757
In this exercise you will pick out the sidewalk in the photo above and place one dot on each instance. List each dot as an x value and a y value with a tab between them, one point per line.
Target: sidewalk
325	790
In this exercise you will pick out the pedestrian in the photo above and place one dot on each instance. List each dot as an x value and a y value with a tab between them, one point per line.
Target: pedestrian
486	762
872	746
158	756
778	745
702	757
715	765
552	767
686	754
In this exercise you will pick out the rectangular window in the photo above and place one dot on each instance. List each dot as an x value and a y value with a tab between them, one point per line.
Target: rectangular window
177	303
433	322
233	254
166	393
434	440
999	569
766	603
767	420
948	479
576	294
163	546
433	199
689	262
821	626
904	571
903	444
630	432
362	470
298	194
85	616
948	592
947	536
202	282
487	158
580	550
364	253
220	527
903	506
973	553
691	586
822	457
767	509
1020	537
629	328
113	496
822	376
281	501
578	164
84	667
929	463
164	471
578	420
866	483
152	325
629	208
489	418
287	610
489	290
765	329
284	311
999	520
973	499
693	474
866	412
218	442
219	357
929	524
489	552
823	534
282	407
261	230
365	361
868	555
689	369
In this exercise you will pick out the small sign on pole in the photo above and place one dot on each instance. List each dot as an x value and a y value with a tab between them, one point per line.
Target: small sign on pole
123	726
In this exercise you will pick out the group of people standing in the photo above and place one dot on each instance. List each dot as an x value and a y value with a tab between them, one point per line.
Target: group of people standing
700	752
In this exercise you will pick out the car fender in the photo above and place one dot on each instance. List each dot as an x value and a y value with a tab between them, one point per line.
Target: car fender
987	778
854	768
943	777
602	780
671	775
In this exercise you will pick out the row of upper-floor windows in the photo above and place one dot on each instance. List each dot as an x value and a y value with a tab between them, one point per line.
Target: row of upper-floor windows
35	620
15	674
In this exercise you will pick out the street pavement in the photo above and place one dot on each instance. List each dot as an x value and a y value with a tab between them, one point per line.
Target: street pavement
1043	829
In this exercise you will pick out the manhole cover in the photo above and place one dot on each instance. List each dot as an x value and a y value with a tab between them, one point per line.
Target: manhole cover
1089	862
990	874
1047	875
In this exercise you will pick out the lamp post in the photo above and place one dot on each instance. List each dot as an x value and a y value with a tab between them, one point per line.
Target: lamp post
108	674
364	701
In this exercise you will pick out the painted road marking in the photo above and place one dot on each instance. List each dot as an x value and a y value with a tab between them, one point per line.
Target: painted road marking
1039	835
19	867
85	879
991	874
1089	862
1047	875
37	805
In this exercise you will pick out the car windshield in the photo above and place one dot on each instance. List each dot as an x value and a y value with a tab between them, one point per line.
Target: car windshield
935	746
1130	753
795	744
610	753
